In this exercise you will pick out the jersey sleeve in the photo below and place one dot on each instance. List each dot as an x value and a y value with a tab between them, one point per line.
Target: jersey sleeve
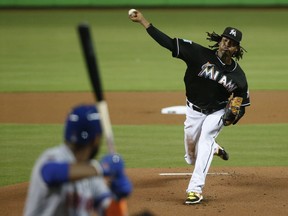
160	37
246	99
242	90
180	48
244	93
186	50
54	173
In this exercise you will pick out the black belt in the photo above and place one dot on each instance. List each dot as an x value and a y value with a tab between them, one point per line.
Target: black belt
204	111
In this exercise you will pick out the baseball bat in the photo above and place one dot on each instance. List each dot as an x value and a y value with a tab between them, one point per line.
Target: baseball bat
94	74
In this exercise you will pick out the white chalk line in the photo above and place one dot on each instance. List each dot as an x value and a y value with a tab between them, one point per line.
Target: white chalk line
189	174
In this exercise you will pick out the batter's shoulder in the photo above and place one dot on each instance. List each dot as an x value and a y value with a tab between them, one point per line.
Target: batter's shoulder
57	153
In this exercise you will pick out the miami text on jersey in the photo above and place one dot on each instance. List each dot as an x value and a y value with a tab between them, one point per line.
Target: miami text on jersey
208	71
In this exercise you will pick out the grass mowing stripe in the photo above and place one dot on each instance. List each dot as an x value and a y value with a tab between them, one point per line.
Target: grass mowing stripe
47	56
144	146
20	146
256	145
162	146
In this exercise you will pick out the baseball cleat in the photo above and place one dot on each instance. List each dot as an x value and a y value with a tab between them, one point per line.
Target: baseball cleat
193	198
222	153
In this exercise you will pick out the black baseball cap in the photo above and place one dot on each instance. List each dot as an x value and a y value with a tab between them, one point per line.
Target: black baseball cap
232	33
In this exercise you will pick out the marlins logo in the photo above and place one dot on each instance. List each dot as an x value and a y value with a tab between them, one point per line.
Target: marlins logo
209	72
233	32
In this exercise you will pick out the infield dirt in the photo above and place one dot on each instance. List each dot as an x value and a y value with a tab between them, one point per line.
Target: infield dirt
130	107
244	191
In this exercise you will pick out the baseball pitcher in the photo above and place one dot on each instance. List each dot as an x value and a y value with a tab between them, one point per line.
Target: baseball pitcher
66	180
216	95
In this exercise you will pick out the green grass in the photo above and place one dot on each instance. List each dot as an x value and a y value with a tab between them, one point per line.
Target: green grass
144	146
40	52
40	49
20	146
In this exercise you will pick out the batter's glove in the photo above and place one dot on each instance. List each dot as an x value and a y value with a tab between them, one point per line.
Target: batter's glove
112	165
232	111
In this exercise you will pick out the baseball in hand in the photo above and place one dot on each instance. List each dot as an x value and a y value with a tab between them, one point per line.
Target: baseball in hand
132	12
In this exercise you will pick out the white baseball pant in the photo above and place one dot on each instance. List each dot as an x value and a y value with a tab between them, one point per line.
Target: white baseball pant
200	132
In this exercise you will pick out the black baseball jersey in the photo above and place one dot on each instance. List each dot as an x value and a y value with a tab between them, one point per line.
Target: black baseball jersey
208	81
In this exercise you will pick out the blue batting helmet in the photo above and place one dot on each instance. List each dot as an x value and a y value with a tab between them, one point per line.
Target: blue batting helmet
82	125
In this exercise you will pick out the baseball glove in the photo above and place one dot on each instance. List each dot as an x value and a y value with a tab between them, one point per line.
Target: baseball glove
232	111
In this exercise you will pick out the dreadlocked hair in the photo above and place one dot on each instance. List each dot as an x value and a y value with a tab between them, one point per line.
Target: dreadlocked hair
217	38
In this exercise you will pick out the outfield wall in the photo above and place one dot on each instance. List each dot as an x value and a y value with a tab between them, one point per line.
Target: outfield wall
143	3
